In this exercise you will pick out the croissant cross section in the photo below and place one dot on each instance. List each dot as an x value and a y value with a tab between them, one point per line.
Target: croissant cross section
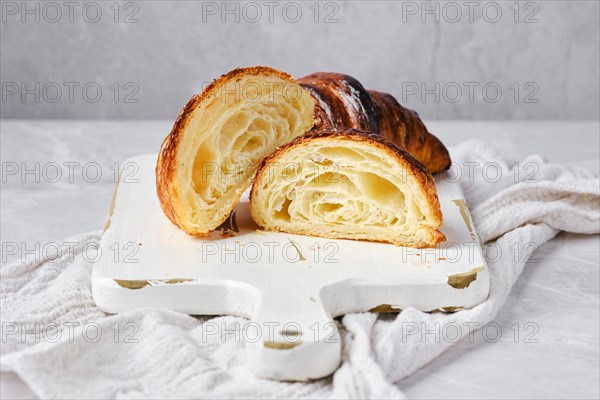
211	155
347	184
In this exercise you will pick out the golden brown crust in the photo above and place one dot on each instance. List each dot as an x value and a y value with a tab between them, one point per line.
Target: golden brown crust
344	103
417	169
435	237
405	128
166	166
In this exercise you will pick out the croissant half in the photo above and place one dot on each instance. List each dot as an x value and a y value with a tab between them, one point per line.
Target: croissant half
342	102
347	184
211	155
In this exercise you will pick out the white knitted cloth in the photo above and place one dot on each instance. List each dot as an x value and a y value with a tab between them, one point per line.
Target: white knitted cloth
170	359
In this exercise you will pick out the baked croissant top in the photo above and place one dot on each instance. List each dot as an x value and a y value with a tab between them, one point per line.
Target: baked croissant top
347	184
210	157
342	102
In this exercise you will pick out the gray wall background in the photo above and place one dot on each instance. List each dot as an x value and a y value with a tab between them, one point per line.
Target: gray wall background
544	59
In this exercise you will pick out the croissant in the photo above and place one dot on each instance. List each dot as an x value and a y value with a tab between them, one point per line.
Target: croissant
342	102
347	184
210	157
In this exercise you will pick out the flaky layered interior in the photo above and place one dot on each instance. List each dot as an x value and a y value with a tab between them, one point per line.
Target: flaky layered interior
227	136
340	188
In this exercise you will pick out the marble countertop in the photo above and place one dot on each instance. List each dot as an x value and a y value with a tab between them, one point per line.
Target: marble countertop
558	292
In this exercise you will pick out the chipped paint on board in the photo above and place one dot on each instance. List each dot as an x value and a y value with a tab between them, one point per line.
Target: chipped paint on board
138	284
464	279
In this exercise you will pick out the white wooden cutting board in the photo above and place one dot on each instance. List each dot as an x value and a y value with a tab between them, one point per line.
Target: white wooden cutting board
289	286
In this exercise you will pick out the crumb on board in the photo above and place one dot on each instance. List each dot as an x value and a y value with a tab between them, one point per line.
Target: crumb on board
261	233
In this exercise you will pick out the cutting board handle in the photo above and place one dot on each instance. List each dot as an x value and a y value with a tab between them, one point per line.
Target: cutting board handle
298	339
